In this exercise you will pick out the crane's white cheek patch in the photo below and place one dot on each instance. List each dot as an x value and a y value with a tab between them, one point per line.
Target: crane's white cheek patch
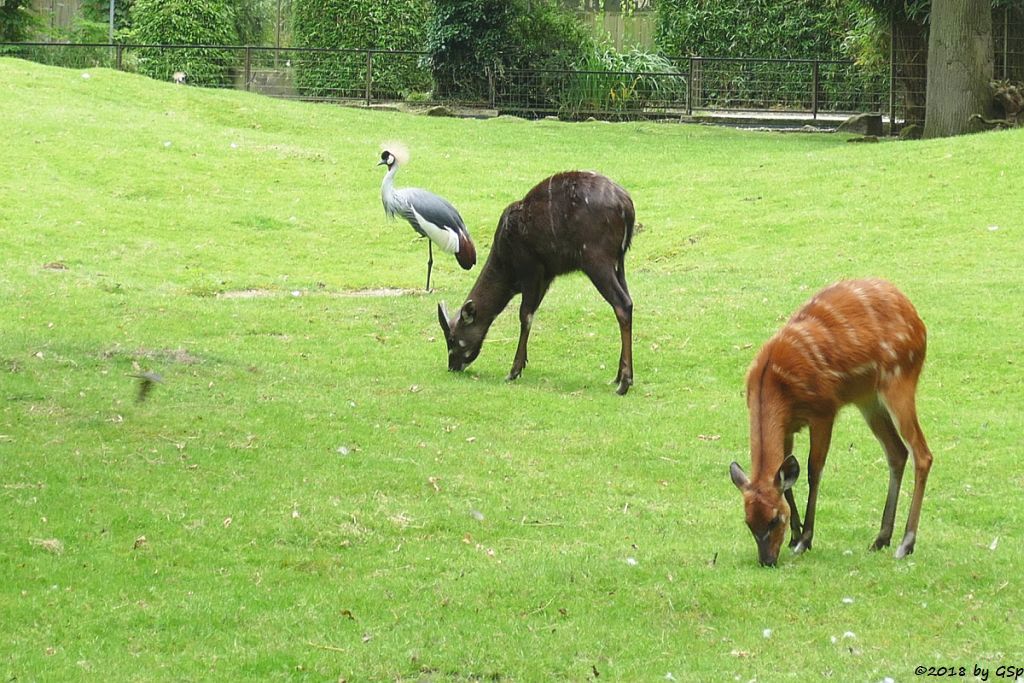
446	239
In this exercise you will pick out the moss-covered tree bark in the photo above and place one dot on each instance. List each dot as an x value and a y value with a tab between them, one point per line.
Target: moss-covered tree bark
960	66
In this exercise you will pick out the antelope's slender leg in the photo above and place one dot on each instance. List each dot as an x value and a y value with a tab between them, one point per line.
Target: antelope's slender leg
881	424
899	398
821	438
533	293
607	282
794	511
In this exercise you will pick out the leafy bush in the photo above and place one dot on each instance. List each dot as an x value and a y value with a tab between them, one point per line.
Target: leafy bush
468	39
16	21
193	22
756	28
625	83
253	21
772	29
98	12
359	25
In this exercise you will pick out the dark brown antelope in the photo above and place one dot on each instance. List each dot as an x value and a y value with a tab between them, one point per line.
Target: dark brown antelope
859	342
570	221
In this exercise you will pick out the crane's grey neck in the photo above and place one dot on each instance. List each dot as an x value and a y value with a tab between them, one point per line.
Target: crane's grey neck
387	190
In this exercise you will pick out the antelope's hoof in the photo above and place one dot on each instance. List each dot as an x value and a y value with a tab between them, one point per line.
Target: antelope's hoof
624	385
879	544
513	375
802	546
907	546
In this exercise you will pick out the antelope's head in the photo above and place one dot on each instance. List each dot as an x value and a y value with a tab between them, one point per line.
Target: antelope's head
463	334
766	508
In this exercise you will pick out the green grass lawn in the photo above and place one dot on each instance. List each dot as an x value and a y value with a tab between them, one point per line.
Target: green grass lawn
311	495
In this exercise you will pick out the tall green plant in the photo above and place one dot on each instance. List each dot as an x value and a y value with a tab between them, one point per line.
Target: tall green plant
358	25
98	11
770	29
192	22
755	28
467	38
253	21
16	20
626	84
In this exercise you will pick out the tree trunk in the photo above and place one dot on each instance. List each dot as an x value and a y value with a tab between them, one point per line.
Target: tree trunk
960	66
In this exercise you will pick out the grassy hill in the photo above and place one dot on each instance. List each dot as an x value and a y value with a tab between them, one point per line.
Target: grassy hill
310	495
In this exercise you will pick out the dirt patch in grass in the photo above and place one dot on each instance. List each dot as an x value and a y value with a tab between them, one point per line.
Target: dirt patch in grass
377	292
245	294
179	356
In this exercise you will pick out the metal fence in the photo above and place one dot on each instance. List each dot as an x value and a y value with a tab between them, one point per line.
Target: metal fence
694	85
368	77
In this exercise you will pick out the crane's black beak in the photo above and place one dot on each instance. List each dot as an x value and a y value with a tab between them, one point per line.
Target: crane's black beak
381	162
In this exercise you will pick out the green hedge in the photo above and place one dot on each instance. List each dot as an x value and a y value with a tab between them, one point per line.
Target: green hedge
469	38
16	20
199	22
768	29
756	28
360	24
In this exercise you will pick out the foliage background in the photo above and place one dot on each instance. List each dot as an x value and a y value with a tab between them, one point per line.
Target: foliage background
467	39
16	21
359	25
200	22
772	29
787	29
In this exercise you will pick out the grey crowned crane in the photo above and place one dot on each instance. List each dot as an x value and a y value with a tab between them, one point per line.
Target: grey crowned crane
431	216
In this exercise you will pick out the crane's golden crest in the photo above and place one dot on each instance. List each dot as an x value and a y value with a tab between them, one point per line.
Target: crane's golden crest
398	150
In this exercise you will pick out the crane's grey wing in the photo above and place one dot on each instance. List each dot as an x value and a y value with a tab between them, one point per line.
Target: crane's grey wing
436	219
437	210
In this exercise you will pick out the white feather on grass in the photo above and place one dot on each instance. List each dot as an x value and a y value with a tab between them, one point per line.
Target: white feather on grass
399	150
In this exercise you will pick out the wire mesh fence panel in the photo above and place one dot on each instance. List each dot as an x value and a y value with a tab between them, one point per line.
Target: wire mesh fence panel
1008	43
400	75
331	74
272	72
578	94
910	81
209	66
365	77
844	87
753	85
72	56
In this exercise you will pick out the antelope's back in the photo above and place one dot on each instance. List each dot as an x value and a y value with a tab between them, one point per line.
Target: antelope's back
853	332
569	210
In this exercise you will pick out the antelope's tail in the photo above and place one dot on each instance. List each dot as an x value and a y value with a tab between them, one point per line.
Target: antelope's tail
629	218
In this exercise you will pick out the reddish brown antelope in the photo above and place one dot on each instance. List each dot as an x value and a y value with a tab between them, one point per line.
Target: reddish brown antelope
859	342
570	221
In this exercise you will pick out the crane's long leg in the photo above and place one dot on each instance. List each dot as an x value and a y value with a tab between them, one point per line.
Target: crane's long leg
430	261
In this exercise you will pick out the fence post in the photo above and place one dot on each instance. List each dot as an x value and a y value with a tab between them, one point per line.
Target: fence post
815	78
248	66
119	57
492	95
892	80
1006	45
689	87
369	77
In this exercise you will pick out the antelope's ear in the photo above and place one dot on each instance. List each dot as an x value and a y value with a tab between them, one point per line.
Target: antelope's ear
738	477
442	317
789	472
468	312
